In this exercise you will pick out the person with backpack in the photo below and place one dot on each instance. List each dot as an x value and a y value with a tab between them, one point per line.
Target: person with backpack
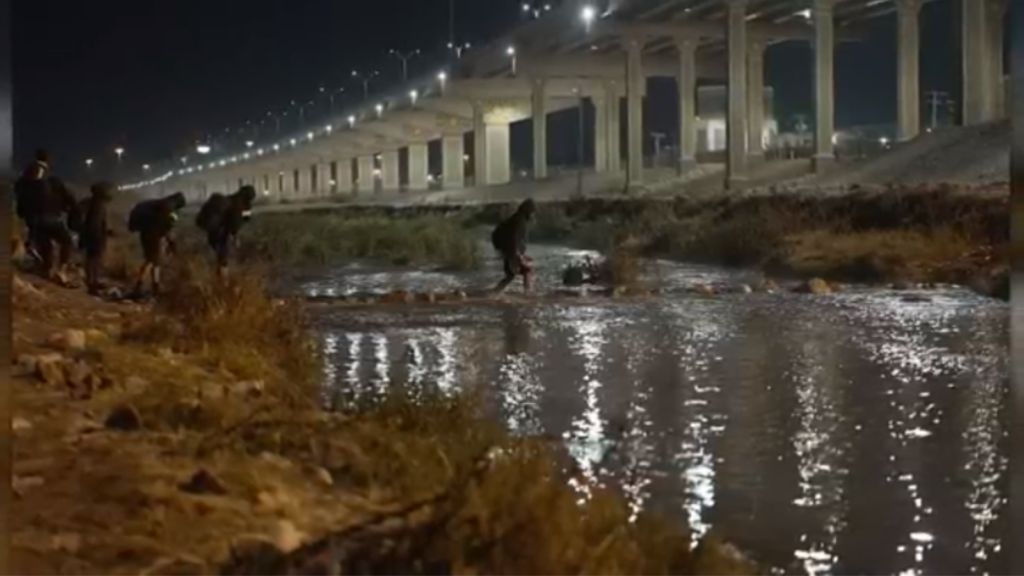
153	221
509	239
94	231
28	189
222	218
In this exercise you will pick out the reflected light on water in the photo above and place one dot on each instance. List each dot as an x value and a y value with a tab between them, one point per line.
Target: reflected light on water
818	451
586	437
381	364
446	341
636	444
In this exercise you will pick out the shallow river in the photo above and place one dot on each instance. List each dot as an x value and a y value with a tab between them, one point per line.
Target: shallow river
855	433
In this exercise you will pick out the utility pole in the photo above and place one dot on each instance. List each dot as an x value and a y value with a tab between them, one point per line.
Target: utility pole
934	99
658	137
579	142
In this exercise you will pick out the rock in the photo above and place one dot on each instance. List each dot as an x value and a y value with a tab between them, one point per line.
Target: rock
459	296
836	286
205	483
19	424
249	388
286	536
428	297
767	285
94	336
67	340
125	418
21	484
321	475
814	286
276	459
703	289
50	371
255	554
397	297
177	566
136	383
66	542
26	363
902	285
78	377
742	289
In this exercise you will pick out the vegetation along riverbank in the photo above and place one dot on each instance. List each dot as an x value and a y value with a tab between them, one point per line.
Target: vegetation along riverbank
186	436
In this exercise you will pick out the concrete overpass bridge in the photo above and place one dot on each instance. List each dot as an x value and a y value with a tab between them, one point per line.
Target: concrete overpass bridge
604	53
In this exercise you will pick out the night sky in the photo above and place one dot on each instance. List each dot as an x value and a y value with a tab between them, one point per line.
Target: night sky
154	76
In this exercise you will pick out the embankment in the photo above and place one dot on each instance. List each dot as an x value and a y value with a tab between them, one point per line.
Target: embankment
186	437
891	234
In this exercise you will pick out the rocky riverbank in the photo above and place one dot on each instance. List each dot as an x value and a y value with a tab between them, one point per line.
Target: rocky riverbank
186	437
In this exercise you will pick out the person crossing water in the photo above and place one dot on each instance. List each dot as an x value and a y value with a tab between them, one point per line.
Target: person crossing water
509	239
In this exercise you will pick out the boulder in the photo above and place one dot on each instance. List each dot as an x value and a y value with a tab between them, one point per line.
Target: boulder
204	482
702	289
50	370
68	340
814	286
573	276
125	418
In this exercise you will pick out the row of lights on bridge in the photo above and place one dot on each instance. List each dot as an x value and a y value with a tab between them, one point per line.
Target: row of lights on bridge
587	15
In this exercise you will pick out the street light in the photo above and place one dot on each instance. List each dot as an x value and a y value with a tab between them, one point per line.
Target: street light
458	48
414	95
88	162
249	143
145	167
380	109
351	121
366	78
588	14
203	149
119	152
511	51
331	95
405	61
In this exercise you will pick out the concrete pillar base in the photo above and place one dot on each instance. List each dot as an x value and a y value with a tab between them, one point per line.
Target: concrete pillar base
366	181
343	176
417	167
822	163
755	158
687	165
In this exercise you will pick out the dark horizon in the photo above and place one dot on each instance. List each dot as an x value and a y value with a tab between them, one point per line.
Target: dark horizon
117	73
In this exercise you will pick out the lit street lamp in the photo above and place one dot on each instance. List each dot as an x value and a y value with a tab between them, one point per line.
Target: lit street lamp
511	51
330	96
458	48
249	143
442	77
119	152
405	61
414	95
203	149
588	14
145	168
366	78
88	162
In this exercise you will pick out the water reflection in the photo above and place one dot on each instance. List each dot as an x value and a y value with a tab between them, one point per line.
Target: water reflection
852	434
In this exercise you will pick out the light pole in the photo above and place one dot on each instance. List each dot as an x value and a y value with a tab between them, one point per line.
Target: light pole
366	78
330	96
442	78
302	111
458	48
120	152
405	57
511	51
88	163
588	13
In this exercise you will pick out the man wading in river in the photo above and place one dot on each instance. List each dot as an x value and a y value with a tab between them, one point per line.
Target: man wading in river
509	239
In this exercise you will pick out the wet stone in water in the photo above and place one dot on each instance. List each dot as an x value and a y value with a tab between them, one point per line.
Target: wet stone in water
204	482
125	418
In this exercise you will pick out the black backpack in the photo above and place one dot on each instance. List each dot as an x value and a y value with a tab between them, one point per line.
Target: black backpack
141	214
212	212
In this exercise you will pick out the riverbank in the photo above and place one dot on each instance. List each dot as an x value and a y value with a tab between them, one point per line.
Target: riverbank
891	235
186	437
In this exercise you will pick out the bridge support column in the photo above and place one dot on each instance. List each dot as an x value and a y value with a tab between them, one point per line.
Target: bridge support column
755	101
539	109
600	132
635	84
343	180
366	182
736	123
824	85
491	162
908	54
418	167
323	179
686	81
996	11
613	112
391	177
453	162
306	173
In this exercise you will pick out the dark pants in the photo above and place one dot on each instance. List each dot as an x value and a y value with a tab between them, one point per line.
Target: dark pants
44	233
152	248
514	266
94	251
220	243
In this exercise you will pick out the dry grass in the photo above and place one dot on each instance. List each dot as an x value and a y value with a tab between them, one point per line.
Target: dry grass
234	323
